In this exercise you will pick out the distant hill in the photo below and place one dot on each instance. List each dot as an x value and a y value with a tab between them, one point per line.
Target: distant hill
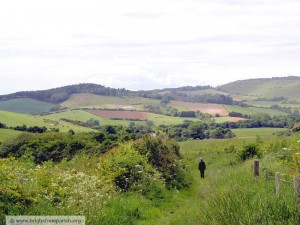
26	105
283	92
60	94
286	87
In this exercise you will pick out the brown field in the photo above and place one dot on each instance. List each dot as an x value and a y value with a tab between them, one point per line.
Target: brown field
112	114
212	109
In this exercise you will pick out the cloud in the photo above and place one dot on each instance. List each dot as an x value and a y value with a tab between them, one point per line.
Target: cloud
140	44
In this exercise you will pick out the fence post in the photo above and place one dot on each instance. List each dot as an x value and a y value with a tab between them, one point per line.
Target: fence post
266	175
277	182
296	191
256	168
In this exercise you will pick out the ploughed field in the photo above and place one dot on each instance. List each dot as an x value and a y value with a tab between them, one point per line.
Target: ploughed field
202	107
115	114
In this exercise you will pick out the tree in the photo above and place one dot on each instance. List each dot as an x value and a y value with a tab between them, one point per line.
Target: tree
196	130
92	122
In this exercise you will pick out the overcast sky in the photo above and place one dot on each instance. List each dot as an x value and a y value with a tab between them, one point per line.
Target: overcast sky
139	44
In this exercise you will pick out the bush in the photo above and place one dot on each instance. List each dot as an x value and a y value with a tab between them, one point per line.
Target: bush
249	151
164	155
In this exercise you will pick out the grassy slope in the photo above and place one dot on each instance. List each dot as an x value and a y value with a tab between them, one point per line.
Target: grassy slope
198	92
25	105
17	119
97	101
253	132
6	134
270	103
274	87
253	110
168	120
228	194
84	116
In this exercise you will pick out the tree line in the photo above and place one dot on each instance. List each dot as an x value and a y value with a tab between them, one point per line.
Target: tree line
60	94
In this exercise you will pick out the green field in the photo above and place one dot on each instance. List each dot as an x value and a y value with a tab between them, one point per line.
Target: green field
18	119
168	120
80	115
197	92
253	110
25	105
270	103
275	87
6	134
83	116
254	132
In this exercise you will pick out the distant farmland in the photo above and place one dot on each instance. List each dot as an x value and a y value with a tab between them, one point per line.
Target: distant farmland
202	107
114	114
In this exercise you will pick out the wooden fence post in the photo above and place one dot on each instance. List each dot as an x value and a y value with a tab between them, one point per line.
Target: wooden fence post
256	168
266	175
277	182
296	191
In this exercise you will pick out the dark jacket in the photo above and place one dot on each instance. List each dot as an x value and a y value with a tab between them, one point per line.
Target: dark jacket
202	165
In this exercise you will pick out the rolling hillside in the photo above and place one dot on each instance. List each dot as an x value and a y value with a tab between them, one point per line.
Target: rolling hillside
18	119
261	94
287	87
26	106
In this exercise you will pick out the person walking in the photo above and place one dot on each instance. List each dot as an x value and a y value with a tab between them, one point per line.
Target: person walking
201	167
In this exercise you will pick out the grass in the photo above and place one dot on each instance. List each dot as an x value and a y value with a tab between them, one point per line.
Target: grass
159	119
6	134
197	92
83	116
253	110
275	87
270	103
254	132
18	119
229	194
25	105
80	115
97	101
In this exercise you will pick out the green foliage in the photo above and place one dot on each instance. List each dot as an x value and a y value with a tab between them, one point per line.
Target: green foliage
188	114
59	97
130	208
58	146
230	149
95	186
196	130
91	123
249	151
165	157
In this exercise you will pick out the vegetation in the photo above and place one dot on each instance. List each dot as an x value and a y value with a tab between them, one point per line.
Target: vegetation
58	95
127	172
6	134
26	106
138	173
276	87
135	184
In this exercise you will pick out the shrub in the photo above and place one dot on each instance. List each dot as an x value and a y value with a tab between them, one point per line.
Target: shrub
164	155
249	151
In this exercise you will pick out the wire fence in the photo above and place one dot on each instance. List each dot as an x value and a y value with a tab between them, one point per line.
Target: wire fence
278	181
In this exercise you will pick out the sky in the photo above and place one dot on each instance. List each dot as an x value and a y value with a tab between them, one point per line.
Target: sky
142	45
